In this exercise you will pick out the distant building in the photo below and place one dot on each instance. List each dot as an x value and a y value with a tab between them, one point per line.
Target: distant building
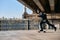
32	16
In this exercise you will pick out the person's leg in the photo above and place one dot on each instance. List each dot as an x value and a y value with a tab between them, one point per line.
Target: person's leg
48	23
41	26
51	25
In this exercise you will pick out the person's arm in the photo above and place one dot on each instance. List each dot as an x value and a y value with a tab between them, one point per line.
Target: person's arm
40	14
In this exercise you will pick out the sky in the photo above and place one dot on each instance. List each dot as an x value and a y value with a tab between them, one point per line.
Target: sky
12	8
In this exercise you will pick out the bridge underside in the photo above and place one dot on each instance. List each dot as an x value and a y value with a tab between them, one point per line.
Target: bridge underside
47	6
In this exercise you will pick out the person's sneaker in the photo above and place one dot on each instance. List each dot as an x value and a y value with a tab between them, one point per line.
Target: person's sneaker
55	28
41	30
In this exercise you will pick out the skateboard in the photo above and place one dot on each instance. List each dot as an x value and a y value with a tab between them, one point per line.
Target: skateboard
42	31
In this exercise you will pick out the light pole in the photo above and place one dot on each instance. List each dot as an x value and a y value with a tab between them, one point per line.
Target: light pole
28	24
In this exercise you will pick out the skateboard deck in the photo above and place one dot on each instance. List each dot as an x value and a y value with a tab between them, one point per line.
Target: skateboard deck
42	31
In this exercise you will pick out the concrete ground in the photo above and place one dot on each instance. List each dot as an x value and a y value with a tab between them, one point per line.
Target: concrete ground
29	35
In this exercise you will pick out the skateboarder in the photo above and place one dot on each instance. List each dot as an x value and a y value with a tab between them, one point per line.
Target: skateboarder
45	20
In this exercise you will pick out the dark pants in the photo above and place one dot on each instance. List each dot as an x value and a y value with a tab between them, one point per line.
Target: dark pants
46	21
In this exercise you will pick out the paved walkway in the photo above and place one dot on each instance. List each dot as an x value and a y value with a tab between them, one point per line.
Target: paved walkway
29	35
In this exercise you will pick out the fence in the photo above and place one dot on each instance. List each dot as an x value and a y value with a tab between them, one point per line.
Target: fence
21	25
18	25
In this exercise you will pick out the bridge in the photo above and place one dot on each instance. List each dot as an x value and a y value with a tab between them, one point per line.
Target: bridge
50	7
47	6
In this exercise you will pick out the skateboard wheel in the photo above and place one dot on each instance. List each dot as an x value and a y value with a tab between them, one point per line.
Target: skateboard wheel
44	31
39	31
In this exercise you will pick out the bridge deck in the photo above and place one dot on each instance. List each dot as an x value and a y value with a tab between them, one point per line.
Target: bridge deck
29	35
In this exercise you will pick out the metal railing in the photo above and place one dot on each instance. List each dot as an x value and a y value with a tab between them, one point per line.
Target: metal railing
22	25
